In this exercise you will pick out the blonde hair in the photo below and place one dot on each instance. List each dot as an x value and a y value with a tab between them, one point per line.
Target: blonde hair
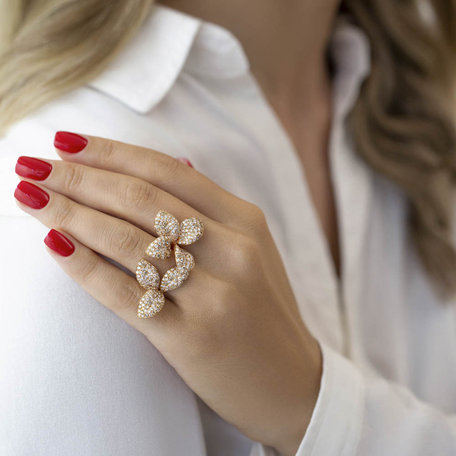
402	123
49	47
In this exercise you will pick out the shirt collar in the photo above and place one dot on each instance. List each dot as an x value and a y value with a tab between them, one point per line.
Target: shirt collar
145	70
170	41
349	49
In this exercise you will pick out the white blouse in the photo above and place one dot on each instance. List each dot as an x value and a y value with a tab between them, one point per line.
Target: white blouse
77	380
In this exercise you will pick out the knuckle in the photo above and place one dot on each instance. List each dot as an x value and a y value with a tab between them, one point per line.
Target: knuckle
125	239
107	149
127	296
64	216
170	167
256	218
138	194
257	215
86	271
73	178
246	252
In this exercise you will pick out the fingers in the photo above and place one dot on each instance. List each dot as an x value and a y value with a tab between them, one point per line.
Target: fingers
126	197
159	169
107	235
112	287
112	237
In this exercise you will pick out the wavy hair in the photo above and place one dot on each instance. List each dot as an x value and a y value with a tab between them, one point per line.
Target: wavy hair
403	123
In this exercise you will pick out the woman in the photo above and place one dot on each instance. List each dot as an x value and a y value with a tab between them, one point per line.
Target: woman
318	316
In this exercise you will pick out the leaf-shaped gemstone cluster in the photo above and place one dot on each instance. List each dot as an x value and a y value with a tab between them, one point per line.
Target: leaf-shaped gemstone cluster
147	275
170	234
151	303
153	300
175	277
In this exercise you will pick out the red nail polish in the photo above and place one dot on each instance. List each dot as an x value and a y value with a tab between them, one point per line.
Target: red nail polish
69	142
59	243
186	161
31	195
33	168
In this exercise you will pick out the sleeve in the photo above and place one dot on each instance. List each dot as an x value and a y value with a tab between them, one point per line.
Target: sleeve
357	415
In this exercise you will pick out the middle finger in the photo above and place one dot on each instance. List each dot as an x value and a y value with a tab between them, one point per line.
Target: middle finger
126	197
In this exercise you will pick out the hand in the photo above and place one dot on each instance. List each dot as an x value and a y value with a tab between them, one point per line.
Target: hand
232	331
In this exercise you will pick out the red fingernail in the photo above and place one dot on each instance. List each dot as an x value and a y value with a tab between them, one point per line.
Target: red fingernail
186	161
59	243
69	142
31	195
33	168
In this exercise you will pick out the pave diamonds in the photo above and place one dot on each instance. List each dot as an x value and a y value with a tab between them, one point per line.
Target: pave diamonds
170	234
160	248
191	230
173	278
184	259
167	225
151	303
153	300
147	275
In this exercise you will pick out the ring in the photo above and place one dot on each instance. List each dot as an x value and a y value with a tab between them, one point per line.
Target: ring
171	236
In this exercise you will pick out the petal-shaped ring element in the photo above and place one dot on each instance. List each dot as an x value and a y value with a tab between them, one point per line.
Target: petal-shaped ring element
160	248
190	231
173	278
184	259
151	303
170	234
153	300
147	275
166	225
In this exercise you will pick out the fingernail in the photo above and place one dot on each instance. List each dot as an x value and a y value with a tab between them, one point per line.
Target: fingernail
59	243
69	142
33	168
31	195
186	161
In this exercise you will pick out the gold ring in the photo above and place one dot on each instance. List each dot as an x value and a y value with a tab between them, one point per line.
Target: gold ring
171	236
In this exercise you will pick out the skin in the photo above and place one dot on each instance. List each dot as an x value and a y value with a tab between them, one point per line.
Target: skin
285	42
232	331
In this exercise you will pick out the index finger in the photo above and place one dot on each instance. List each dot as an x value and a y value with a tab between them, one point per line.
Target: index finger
161	170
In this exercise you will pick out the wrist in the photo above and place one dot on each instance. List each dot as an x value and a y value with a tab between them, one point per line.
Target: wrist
302	413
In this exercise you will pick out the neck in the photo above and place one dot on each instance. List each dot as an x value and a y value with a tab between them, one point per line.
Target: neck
285	41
